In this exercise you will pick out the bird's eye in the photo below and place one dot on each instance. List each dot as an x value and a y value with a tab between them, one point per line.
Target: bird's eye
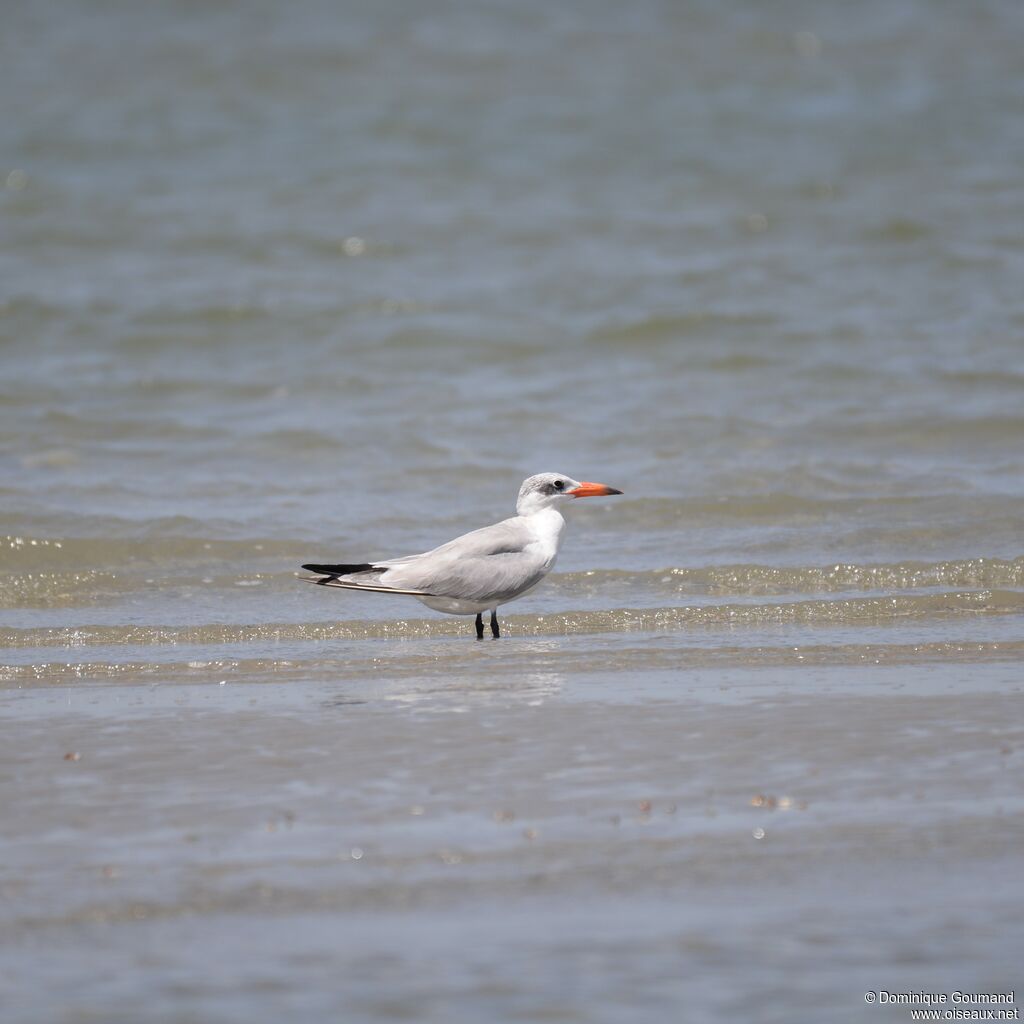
558	485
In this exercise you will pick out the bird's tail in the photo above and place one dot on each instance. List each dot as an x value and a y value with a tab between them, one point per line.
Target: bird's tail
328	576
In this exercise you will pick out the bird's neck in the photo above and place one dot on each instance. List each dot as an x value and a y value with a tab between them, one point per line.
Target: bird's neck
544	518
547	525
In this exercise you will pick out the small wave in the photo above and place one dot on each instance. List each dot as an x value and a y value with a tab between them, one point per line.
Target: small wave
937	433
171	542
767	579
50	572
787	508
290	441
75	427
898	229
984	379
669	513
666	328
410	663
56	589
209	315
30	309
860	611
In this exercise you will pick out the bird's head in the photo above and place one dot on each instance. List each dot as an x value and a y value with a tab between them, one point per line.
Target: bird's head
552	490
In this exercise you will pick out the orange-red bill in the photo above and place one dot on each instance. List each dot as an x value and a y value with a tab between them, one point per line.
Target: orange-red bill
589	490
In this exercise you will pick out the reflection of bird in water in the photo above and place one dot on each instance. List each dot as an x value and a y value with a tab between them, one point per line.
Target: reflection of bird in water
478	571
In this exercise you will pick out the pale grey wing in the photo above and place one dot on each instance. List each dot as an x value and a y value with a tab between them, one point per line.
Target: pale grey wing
494	563
510	535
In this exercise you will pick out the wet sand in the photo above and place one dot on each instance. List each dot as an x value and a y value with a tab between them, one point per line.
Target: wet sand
594	846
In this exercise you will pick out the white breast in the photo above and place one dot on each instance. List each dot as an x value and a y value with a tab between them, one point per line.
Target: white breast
546	528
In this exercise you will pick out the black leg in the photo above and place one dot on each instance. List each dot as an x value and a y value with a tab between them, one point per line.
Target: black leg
479	626
495	632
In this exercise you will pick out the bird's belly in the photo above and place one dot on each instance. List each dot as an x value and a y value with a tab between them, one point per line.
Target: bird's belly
457	606
454	606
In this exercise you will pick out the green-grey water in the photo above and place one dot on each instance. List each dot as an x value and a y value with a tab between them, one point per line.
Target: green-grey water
316	281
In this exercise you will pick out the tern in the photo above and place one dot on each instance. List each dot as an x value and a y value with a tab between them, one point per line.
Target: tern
481	570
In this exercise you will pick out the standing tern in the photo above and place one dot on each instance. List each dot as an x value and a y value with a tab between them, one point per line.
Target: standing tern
481	570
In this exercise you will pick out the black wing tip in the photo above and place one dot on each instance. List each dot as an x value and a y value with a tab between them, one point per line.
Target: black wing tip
338	570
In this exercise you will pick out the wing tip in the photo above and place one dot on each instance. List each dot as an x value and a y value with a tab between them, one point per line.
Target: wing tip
342	569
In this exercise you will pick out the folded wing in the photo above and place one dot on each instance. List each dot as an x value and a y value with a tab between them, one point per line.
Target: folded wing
493	563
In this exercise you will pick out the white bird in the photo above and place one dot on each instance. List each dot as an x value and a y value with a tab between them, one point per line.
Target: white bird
478	571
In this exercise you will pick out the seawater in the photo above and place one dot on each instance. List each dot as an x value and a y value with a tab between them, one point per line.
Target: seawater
319	281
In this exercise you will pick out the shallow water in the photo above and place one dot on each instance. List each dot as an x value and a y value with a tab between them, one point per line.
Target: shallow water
573	838
319	282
